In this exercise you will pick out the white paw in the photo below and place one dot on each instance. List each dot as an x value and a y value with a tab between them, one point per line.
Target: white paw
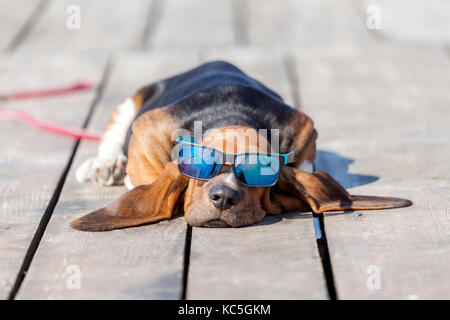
105	171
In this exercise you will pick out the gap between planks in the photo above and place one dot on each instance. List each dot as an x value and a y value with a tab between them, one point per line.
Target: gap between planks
318	220
30	22
239	15
153	19
34	244
286	62
187	258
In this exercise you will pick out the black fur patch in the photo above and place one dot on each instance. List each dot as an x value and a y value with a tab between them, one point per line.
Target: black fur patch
219	94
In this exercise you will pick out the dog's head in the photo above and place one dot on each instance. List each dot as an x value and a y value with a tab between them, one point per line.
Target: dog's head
222	201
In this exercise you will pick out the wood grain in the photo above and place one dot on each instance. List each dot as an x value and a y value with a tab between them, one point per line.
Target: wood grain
104	26
14	16
382	119
135	263
416	23
310	25
194	25
379	99
31	161
276	259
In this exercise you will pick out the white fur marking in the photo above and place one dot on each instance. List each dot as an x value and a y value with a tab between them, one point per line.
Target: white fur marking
114	138
110	154
306	166
127	183
230	180
83	172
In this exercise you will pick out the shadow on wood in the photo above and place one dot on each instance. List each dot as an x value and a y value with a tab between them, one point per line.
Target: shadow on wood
339	169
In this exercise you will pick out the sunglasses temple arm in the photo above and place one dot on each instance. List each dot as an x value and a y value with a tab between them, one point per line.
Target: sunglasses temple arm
289	157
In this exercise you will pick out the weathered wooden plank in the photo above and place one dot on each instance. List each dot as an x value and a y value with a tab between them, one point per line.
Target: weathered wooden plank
276	259
104	26
13	16
323	24
385	113
194	24
31	161
409	22
136	263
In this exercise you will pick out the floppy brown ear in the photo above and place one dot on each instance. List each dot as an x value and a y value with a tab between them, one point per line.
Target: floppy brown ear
142	205
322	193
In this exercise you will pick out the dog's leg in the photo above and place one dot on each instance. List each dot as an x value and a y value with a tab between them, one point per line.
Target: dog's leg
108	167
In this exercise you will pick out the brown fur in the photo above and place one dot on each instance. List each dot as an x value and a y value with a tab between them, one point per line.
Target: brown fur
142	205
150	146
161	188
139	98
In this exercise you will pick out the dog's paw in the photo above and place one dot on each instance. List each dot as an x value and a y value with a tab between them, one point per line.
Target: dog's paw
105	171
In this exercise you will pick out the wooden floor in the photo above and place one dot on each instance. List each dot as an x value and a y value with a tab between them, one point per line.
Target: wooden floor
380	100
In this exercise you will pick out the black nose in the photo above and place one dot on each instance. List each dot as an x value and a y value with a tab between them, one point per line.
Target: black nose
223	197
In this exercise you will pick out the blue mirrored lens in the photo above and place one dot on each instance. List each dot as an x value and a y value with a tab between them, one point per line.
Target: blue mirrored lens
199	162
257	170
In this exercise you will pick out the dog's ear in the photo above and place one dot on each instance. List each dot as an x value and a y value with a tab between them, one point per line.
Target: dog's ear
322	193
142	205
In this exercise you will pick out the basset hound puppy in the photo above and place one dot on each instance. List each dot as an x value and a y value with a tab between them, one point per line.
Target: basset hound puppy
232	113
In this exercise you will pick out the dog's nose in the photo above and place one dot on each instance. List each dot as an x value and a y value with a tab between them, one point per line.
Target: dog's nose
223	197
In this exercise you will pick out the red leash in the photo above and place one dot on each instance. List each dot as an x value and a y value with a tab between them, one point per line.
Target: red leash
57	129
25	118
49	92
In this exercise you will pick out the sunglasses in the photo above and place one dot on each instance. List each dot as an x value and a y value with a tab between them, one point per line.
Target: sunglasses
253	169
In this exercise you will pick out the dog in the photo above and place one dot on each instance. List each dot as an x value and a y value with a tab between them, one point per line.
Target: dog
136	150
